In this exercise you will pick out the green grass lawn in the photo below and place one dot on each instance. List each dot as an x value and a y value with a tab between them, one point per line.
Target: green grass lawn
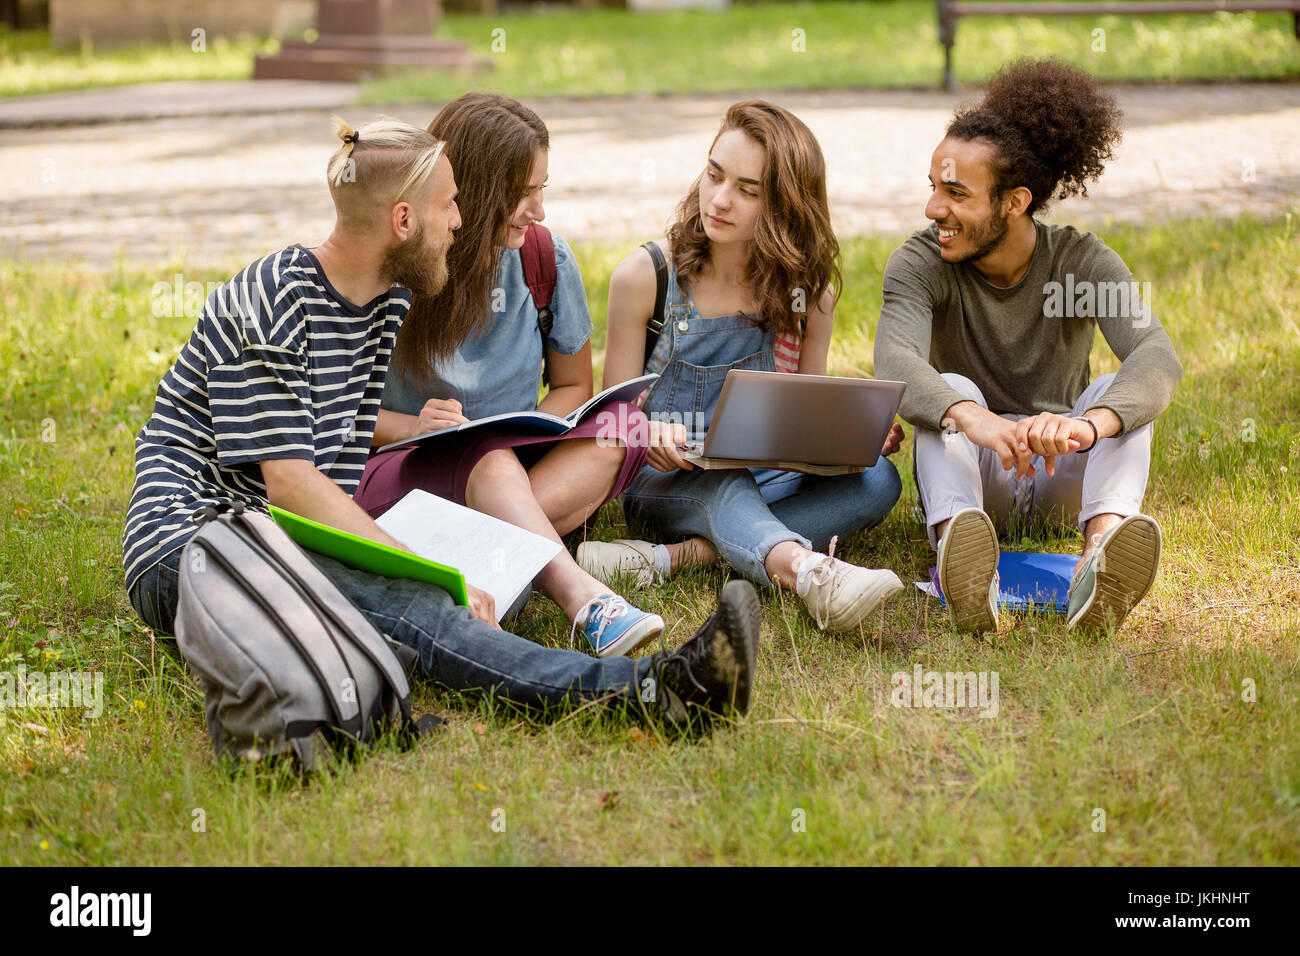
844	45
769	46
1148	725
30	64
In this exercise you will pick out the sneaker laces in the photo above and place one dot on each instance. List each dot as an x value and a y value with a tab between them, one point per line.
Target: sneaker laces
821	574
606	610
679	655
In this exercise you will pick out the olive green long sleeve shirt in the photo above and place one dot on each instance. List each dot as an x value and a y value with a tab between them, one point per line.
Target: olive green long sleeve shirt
1026	347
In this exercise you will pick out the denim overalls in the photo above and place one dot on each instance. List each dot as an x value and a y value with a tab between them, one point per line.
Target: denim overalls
694	355
727	507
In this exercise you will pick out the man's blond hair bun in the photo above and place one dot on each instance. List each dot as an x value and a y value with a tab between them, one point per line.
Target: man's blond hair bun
381	164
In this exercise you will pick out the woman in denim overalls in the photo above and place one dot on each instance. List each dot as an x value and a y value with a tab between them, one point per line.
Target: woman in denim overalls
757	259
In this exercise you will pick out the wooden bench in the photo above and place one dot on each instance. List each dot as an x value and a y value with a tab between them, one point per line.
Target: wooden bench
950	11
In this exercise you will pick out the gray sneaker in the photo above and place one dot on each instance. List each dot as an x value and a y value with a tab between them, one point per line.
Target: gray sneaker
968	571
622	560
1116	576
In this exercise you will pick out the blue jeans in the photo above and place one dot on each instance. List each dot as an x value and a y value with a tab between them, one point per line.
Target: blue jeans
454	649
744	520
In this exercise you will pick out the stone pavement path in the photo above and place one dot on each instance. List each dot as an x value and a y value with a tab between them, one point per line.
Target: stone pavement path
145	101
216	189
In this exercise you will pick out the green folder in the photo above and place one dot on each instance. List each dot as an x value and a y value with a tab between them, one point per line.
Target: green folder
358	552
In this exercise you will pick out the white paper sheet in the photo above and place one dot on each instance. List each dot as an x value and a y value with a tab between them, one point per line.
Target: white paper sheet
494	555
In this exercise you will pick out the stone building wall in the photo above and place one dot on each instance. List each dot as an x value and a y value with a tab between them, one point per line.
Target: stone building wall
115	22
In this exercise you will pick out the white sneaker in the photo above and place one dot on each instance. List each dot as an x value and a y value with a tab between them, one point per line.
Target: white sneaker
968	571
840	595
621	560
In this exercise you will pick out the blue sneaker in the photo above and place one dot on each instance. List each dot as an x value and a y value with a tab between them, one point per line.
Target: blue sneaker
615	628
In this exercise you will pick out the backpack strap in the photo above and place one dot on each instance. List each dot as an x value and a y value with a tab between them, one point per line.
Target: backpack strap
656	323
261	531
228	545
391	659
538	257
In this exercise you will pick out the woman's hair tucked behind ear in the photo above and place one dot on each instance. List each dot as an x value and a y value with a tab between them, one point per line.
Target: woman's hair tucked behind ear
492	142
1054	128
383	163
795	258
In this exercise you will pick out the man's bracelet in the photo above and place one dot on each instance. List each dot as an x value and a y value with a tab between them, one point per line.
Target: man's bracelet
1094	432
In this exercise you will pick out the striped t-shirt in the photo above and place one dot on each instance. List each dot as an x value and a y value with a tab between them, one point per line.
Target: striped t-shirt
786	351
279	366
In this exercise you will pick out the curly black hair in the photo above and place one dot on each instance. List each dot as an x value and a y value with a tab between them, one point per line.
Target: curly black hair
1053	126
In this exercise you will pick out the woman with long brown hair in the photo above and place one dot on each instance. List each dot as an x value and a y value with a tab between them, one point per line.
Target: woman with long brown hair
752	271
480	347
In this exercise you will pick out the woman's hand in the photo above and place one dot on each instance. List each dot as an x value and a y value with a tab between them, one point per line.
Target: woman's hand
439	413
664	439
893	441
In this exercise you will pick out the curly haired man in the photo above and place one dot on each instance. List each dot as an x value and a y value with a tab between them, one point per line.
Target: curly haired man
990	314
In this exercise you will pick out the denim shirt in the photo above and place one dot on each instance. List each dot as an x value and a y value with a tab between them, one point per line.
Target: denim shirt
693	356
501	370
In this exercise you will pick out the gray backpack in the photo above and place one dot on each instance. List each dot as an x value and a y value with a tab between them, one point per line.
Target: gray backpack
289	666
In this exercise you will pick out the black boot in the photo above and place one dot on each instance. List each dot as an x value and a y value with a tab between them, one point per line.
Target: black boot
712	674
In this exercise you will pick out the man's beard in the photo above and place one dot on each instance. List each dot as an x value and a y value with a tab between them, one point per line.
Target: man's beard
987	237
420	267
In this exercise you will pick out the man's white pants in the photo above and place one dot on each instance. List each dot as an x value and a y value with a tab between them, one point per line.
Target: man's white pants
953	473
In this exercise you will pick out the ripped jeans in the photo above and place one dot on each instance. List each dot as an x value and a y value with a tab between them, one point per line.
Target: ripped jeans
744	519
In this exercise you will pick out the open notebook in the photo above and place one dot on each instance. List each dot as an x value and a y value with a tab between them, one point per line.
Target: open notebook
453	545
540	423
492	554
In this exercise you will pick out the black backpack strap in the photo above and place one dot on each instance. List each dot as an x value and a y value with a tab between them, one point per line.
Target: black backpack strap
656	323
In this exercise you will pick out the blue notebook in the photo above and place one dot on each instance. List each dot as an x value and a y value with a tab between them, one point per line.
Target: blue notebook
1030	581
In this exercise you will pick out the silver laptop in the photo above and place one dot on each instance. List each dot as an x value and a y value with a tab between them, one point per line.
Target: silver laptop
789	417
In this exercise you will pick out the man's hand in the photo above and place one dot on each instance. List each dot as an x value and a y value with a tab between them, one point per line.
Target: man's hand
482	605
990	431
439	413
893	441
1049	435
664	439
